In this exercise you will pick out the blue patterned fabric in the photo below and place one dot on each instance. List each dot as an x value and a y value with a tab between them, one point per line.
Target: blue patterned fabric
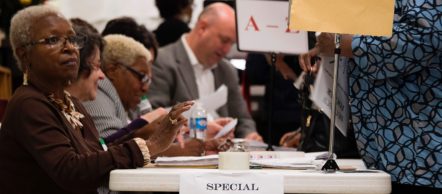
396	95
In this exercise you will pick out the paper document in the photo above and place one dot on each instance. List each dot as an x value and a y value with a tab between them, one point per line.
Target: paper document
322	91
286	163
227	128
210	102
215	100
210	160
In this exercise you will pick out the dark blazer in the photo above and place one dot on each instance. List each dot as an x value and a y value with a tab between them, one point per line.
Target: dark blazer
40	152
174	81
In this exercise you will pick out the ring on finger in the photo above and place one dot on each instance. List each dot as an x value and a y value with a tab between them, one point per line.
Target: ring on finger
173	121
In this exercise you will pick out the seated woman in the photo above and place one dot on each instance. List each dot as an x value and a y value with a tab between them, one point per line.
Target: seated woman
129	27
127	67
48	142
89	73
86	85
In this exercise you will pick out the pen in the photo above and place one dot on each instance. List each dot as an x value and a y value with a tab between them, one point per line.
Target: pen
103	144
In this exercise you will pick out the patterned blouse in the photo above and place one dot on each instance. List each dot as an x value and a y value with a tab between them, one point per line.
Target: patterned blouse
396	95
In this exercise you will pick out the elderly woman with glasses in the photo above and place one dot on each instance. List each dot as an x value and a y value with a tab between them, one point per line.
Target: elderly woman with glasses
48	142
126	64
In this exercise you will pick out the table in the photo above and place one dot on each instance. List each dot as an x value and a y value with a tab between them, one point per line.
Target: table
295	181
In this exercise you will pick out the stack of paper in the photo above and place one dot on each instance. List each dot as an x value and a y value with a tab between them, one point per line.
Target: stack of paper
275	159
286	160
210	161
286	163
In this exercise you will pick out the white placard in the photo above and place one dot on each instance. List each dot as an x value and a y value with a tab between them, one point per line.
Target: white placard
262	26
231	182
322	91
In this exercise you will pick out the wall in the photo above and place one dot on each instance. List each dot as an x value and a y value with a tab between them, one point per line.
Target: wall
98	12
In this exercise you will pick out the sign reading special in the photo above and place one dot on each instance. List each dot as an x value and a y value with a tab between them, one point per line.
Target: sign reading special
231	182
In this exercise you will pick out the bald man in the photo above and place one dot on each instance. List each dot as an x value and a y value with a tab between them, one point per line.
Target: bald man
194	67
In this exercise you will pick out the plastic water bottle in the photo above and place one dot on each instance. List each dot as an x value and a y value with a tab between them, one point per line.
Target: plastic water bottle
198	122
144	106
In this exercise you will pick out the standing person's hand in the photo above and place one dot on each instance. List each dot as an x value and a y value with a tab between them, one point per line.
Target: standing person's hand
307	60
325	45
167	128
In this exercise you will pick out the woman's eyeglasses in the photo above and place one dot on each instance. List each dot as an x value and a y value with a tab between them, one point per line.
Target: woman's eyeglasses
144	78
76	41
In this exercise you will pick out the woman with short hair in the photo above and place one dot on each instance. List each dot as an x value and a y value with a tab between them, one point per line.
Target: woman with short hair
48	142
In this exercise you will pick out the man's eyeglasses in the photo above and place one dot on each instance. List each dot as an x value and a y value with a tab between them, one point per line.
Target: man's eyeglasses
144	78
76	41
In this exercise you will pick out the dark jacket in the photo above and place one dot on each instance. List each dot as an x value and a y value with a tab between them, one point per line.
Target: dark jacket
41	153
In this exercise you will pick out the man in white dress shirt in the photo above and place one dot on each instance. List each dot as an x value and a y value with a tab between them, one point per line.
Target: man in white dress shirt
194	66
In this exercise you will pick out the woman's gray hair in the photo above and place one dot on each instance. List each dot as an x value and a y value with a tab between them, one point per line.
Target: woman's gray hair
21	23
122	49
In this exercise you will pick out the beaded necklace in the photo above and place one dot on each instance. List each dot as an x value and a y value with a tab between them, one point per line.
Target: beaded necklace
68	111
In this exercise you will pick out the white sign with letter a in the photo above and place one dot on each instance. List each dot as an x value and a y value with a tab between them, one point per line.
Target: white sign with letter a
231	182
262	26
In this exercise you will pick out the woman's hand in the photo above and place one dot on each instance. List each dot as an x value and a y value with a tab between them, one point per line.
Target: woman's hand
167	128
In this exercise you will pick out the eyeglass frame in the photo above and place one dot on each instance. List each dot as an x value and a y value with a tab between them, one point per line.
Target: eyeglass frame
144	78
63	39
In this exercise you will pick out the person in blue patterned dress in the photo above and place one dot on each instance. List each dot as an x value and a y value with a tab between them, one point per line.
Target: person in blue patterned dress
395	86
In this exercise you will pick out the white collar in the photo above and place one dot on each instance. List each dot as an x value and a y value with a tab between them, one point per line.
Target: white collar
192	58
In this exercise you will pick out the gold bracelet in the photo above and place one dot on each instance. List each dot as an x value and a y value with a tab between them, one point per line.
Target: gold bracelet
144	150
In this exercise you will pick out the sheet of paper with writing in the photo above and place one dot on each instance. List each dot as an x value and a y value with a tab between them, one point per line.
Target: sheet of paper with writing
366	17
321	95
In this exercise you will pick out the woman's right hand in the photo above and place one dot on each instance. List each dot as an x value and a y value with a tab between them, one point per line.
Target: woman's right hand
167	128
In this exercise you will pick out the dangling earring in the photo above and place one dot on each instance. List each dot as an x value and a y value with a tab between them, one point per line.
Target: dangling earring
25	78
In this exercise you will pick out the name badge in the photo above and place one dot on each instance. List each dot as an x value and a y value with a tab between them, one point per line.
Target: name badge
231	182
